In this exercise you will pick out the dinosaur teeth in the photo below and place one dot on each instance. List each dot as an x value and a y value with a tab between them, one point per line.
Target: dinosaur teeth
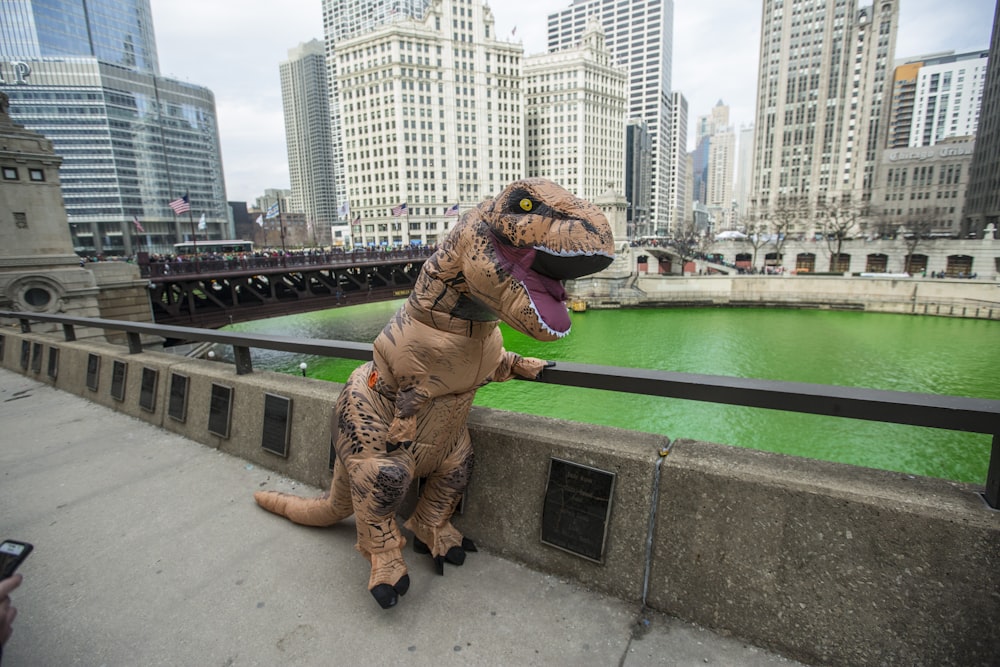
573	253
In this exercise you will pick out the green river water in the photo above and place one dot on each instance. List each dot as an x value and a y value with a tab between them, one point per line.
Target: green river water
933	355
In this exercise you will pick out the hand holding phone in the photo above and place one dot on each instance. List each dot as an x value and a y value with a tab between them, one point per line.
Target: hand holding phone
12	554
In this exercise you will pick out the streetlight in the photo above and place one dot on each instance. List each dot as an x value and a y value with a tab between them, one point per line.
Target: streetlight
302	367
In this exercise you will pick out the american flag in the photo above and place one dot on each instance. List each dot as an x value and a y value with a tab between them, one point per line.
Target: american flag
180	205
399	210
452	210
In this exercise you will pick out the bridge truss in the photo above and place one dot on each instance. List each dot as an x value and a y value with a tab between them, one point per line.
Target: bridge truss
215	294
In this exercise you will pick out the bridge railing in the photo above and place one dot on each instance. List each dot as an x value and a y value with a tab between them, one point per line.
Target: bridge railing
214	264
956	413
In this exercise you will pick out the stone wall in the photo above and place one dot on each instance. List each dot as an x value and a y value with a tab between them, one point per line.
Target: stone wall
950	298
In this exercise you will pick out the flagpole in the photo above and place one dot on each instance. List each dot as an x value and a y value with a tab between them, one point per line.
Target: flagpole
281	224
194	234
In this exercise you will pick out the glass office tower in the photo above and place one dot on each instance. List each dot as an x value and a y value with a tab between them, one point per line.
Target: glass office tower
84	73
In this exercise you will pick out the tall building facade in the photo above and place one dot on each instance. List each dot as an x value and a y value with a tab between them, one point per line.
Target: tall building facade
308	136
936	98
431	117
821	109
982	199
744	166
718	142
574	103
343	20
679	195
640	37
84	73
638	177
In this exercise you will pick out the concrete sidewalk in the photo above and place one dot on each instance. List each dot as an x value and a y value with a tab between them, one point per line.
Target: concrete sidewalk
149	550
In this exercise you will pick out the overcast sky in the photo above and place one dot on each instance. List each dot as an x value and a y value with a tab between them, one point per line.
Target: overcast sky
234	48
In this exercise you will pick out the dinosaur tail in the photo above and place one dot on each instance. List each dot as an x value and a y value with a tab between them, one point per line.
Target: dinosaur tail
324	510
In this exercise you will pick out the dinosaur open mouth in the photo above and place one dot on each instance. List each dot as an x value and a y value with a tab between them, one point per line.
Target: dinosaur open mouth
545	292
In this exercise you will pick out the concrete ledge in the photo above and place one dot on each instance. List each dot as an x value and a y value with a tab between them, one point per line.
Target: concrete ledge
830	564
827	563
503	506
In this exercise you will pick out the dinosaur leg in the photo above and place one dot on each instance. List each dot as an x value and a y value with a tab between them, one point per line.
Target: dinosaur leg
324	510
378	485
431	519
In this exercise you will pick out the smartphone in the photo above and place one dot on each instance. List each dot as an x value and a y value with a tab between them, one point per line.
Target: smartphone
12	554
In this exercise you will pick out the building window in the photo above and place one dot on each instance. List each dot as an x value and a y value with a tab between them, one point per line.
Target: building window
36	174
9	174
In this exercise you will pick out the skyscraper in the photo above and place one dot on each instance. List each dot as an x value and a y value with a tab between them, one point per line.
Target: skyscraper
744	162
86	76
935	98
306	102
639	35
431	116
821	89
574	104
680	197
342	20
982	200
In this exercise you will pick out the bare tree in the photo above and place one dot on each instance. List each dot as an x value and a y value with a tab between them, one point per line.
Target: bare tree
757	235
688	242
917	228
840	220
784	217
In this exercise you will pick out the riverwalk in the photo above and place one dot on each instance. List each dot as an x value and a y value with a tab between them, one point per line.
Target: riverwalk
149	550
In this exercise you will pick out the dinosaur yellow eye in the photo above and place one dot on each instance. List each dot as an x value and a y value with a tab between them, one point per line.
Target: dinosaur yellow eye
526	204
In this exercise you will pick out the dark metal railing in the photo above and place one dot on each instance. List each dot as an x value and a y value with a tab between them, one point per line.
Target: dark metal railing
211	265
955	413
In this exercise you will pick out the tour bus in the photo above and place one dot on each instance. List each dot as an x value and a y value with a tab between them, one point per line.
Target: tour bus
225	247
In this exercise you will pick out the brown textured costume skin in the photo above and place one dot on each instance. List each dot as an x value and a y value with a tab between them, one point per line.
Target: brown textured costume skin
403	415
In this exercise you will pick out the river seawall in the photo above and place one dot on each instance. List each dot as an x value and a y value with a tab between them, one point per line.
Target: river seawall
915	296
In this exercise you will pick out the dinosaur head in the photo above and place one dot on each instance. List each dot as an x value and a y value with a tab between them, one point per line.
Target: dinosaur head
510	255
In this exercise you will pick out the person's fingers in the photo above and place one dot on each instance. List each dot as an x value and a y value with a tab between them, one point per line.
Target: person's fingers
9	584
8	613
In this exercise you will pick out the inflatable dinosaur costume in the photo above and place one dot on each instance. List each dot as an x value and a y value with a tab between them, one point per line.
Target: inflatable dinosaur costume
403	415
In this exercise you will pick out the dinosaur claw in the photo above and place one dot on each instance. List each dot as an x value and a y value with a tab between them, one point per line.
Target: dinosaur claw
387	596
439	565
469	545
419	546
402	585
455	556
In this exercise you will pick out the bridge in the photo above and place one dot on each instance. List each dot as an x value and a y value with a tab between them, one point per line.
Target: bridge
214	292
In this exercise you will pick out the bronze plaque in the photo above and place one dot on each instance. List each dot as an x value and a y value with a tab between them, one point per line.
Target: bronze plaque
177	402
577	508
277	424
93	371
118	370
147	389
53	369
220	410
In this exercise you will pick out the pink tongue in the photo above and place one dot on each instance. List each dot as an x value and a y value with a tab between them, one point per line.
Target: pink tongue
546	293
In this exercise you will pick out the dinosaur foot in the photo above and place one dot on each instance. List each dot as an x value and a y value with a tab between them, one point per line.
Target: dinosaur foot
455	555
387	596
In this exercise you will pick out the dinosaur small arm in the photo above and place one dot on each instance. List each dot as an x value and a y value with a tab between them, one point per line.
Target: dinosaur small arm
403	415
